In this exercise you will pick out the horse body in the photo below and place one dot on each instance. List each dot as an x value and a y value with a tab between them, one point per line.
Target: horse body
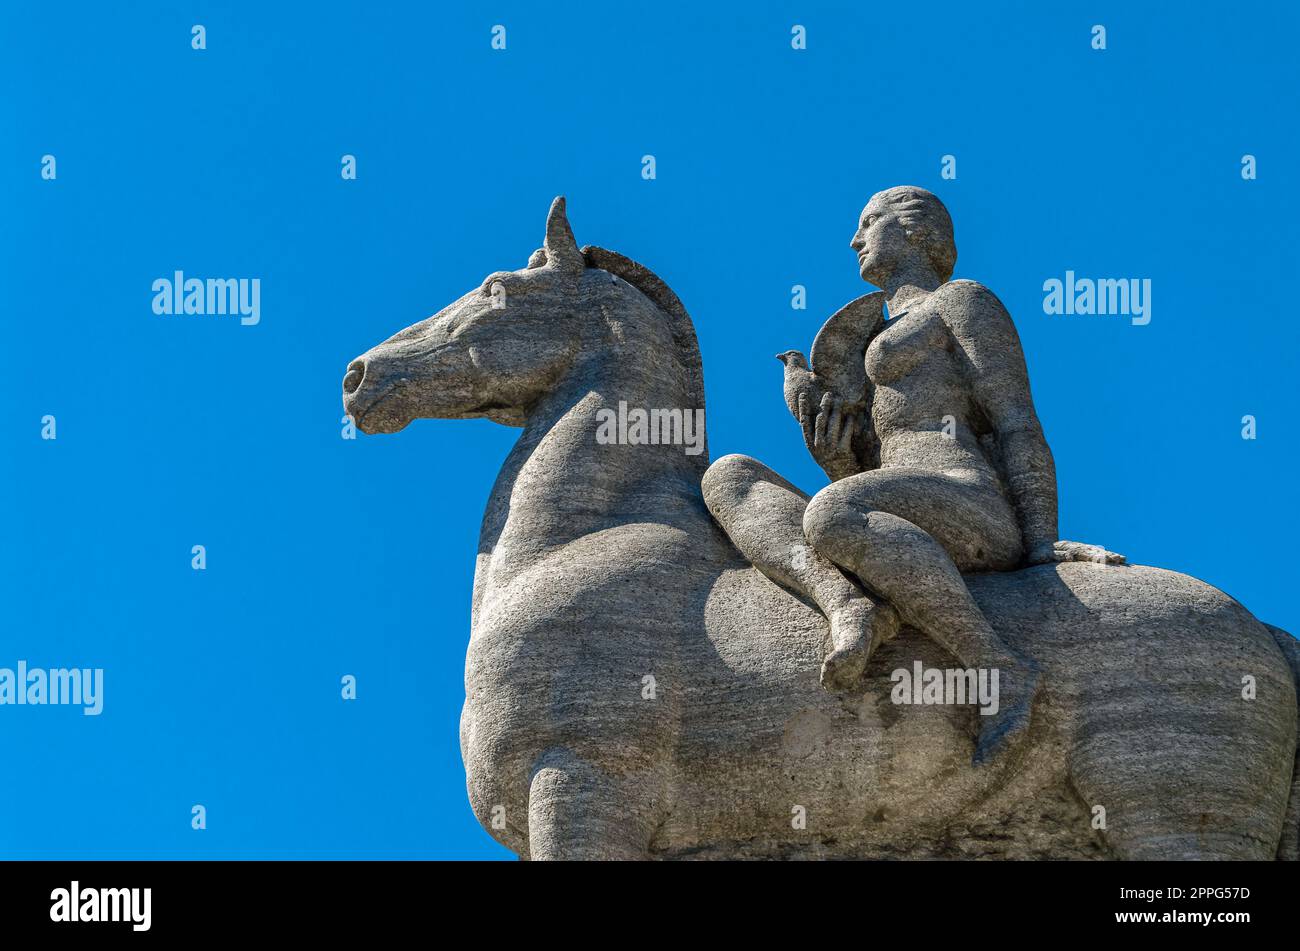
737	741
635	689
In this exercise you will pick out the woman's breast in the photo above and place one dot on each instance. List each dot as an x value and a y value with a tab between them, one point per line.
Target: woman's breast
904	346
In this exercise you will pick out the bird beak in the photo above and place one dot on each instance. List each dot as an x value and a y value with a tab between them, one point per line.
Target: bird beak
781	357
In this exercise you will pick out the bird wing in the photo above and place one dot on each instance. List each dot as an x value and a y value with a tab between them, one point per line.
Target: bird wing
839	351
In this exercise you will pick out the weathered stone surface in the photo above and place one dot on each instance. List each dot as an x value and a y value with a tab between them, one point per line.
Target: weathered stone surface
648	638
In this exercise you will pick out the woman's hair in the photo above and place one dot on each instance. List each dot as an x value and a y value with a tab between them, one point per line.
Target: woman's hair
927	222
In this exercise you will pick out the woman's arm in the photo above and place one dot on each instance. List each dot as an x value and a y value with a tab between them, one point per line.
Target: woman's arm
995	362
988	343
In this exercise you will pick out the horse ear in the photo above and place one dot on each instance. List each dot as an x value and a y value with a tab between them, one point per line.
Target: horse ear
561	249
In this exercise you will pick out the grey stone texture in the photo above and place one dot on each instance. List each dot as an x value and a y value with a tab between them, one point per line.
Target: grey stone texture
675	660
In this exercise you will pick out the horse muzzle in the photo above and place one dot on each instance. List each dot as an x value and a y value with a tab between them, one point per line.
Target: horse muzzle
369	401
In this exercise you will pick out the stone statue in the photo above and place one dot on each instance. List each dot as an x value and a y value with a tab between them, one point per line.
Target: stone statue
951	472
642	678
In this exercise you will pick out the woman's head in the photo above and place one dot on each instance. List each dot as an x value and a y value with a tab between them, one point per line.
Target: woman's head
903	228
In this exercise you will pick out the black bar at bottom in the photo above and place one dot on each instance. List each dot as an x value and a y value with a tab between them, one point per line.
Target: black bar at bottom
336	899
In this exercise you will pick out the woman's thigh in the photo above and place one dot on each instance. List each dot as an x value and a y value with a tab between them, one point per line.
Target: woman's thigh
965	514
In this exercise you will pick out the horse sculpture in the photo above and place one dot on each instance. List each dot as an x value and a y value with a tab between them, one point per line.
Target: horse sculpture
636	689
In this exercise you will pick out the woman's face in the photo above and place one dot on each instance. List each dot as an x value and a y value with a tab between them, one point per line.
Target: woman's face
880	242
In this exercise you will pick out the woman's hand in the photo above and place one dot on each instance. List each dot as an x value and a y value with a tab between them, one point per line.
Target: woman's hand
828	432
1048	552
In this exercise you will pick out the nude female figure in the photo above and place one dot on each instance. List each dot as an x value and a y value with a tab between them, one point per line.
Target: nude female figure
949	473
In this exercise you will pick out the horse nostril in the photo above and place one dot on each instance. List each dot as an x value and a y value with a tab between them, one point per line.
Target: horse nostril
352	380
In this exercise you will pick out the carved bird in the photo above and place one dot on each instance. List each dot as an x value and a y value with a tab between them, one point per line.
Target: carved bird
799	379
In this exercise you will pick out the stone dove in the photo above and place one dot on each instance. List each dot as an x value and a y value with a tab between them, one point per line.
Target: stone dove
799	379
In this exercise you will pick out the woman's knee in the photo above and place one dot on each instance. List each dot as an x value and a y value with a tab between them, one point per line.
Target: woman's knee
830	520
728	479
736	481
853	525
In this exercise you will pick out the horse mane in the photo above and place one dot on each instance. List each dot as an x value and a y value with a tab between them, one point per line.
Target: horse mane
679	321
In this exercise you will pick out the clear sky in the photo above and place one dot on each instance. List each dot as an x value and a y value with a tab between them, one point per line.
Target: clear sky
328	557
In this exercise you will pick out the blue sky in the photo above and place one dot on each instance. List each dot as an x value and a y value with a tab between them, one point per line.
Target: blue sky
329	557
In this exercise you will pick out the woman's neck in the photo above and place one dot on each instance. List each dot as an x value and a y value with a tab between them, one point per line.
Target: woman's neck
908	285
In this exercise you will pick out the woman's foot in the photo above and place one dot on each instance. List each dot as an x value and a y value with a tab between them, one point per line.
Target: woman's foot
857	628
1002	733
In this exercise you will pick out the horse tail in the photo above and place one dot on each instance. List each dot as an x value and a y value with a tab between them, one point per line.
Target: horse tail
1288	849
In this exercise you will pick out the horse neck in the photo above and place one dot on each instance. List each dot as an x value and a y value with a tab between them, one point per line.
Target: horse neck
559	484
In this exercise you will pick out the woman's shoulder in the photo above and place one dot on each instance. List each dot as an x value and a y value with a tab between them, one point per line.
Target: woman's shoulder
964	289
964	302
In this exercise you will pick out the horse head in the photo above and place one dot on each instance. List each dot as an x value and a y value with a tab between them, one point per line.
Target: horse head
493	353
